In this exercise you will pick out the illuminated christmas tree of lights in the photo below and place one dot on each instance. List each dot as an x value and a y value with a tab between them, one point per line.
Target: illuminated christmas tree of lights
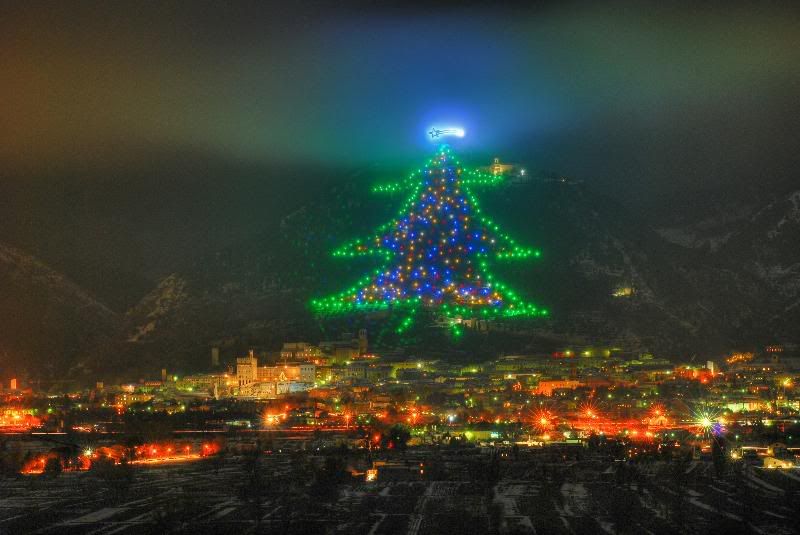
436	252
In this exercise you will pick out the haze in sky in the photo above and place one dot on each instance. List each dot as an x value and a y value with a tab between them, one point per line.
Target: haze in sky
630	92
149	124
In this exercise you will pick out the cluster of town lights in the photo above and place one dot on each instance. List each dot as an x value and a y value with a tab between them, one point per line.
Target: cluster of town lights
154	453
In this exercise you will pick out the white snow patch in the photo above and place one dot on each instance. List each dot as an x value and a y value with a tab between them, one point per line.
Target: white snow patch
574	494
647	505
790	475
755	479
608	527
96	516
701	505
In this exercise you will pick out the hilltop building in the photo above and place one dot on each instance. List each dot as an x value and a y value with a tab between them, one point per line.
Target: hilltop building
347	347
302	352
272	381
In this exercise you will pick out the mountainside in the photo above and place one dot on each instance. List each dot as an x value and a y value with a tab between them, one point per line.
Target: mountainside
610	278
607	277
703	285
48	324
757	248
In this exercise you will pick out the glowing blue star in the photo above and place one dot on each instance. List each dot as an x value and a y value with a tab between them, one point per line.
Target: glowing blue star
449	131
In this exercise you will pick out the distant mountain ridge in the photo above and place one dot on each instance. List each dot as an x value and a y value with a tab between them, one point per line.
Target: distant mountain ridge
764	245
703	285
683	299
48	324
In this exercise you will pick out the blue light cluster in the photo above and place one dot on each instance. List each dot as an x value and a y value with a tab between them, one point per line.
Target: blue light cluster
436	250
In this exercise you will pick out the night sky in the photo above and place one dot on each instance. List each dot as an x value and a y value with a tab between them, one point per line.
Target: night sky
134	108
